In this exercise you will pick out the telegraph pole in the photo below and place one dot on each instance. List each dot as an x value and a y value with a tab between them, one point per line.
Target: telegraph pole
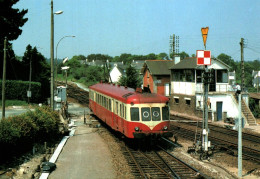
242	65
172	46
240	169
52	58
3	81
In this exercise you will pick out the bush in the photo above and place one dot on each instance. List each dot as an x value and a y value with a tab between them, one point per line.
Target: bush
19	133
18	90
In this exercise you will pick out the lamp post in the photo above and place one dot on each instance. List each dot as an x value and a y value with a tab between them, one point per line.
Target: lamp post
52	53
56	77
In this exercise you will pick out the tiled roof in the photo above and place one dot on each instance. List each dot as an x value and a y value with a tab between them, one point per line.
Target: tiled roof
187	63
159	67
191	63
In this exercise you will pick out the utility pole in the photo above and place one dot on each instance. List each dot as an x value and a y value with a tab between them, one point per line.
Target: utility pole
52	58
30	80
172	46
242	65
3	81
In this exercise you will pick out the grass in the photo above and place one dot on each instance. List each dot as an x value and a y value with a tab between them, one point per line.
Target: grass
14	103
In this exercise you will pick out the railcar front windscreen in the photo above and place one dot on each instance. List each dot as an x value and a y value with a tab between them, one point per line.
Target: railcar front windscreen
146	114
134	114
156	114
165	113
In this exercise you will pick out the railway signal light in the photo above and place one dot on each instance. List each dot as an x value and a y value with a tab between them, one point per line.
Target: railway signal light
208	77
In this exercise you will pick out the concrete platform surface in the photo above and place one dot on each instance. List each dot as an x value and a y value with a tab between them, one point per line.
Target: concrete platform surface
85	155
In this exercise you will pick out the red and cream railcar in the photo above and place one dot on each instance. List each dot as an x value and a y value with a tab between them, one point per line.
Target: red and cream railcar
134	114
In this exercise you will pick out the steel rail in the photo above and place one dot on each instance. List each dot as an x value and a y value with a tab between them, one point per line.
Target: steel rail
155	164
136	163
196	172
219	142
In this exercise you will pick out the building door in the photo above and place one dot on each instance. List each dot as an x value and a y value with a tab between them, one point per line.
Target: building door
219	110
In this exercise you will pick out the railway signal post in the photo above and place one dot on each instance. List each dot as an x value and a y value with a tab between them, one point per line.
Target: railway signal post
204	58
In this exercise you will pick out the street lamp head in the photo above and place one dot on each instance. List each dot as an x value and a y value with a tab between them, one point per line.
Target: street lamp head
58	12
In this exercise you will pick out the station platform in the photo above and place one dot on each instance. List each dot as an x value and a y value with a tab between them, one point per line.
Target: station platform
85	154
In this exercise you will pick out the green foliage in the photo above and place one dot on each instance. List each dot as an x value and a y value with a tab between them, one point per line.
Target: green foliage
131	79
162	56
99	57
228	60
254	107
249	66
14	103
18	90
74	62
151	56
11	21
182	55
19	133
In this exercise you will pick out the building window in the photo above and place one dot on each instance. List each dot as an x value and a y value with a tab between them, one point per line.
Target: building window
187	101
176	100
222	76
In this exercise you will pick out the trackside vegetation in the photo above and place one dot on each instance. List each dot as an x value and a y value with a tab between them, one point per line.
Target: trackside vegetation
18	134
17	90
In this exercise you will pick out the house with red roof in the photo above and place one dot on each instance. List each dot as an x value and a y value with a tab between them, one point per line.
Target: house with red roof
156	76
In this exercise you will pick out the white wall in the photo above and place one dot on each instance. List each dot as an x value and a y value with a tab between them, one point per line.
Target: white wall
229	104
187	88
115	75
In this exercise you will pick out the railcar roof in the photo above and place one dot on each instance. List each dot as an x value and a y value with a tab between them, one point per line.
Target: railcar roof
127	95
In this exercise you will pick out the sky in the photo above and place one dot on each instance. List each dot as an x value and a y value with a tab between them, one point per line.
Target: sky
140	27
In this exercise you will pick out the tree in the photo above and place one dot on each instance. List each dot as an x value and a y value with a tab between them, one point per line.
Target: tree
151	56
182	55
228	60
131	79
162	56
100	57
40	69
11	21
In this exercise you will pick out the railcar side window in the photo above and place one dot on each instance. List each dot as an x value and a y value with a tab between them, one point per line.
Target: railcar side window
125	112
146	116
120	110
117	108
134	114
156	114
109	105
165	113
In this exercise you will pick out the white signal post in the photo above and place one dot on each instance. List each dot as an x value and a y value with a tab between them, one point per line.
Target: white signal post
204	58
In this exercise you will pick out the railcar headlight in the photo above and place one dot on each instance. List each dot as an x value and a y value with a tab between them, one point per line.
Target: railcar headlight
136	129
165	128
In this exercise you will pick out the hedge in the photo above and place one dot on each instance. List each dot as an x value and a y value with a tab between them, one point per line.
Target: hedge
19	133
18	90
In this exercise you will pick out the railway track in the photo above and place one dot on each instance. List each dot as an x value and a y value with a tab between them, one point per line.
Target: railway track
230	132
75	92
248	152
158	163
